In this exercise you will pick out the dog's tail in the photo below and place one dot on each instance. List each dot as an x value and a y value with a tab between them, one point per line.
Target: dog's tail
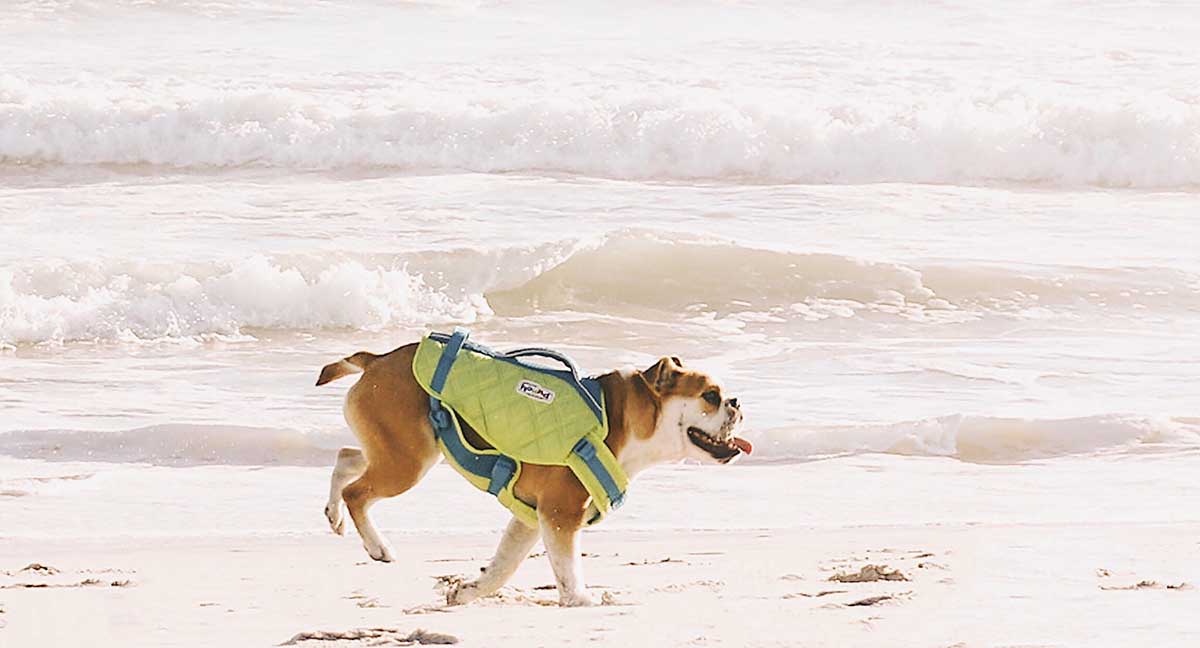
346	366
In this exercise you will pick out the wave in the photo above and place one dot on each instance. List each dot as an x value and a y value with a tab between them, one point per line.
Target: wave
690	134
978	439
42	9
173	445
984	439
130	301
675	275
626	274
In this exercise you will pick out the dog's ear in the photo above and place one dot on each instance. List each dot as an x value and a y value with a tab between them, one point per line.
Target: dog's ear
662	375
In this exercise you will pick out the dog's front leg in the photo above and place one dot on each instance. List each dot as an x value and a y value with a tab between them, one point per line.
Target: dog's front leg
518	539
562	547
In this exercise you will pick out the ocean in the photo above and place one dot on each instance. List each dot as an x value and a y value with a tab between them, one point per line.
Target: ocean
964	230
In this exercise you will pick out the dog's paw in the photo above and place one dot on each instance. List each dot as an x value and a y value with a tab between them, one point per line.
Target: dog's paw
379	552
576	599
462	593
333	513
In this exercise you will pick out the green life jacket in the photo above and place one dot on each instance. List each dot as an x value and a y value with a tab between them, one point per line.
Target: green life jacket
528	413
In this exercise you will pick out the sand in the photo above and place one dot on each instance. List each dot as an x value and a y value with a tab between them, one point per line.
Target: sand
150	578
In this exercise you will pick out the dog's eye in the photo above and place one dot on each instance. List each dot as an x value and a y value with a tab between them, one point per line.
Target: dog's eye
712	397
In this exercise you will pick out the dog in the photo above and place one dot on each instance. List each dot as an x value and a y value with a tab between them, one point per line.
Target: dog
662	414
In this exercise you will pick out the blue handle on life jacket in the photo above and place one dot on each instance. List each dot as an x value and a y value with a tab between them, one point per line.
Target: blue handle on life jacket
570	365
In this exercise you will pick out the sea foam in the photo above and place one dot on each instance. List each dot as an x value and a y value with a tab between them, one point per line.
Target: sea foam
979	439
983	439
120	300
1148	141
627	273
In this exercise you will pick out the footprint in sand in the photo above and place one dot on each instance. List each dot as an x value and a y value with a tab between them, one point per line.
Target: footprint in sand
713	585
817	595
39	569
869	574
39	576
1146	585
662	561
375	637
364	601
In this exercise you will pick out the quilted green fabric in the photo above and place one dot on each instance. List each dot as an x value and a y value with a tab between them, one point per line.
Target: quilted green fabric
527	414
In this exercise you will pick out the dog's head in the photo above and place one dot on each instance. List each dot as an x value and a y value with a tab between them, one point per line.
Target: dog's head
696	418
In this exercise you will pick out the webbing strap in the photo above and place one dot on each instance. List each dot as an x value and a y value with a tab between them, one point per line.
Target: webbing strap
586	451
477	464
498	469
449	354
441	418
502	472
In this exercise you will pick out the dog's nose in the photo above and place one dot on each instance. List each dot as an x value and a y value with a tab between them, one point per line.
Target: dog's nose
733	403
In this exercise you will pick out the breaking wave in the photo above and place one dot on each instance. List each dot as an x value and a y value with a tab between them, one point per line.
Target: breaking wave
1005	137
977	439
629	273
129	301
173	445
985	439
651	272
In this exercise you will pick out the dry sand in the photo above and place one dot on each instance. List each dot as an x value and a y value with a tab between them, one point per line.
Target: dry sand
964	586
857	551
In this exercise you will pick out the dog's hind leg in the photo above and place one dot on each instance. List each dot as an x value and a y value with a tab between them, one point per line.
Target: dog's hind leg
371	487
389	413
350	466
514	547
381	480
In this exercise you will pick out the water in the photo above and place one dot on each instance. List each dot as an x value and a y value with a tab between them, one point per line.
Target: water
962	230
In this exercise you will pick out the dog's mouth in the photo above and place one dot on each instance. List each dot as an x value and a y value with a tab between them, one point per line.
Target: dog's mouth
723	451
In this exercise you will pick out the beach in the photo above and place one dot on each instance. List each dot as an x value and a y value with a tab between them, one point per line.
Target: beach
943	256
1056	561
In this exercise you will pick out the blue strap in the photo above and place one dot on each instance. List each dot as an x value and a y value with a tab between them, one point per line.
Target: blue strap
502	472
449	354
480	465
587	452
439	417
498	469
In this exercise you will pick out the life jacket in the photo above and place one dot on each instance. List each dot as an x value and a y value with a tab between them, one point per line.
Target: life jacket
529	413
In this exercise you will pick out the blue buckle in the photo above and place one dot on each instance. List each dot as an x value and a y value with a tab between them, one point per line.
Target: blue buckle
585	450
502	473
439	418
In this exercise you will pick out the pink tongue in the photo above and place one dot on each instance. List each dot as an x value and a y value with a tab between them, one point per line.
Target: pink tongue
743	445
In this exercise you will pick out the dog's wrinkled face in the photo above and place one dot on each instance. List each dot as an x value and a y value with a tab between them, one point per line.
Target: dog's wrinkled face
695	413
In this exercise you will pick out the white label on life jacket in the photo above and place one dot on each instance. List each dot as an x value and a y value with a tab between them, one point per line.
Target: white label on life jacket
530	389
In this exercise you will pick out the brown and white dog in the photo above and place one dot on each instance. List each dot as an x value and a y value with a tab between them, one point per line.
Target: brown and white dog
662	414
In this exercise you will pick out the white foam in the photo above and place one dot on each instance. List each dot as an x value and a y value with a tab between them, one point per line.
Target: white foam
118	300
630	273
1152	140
982	439
977	439
175	445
